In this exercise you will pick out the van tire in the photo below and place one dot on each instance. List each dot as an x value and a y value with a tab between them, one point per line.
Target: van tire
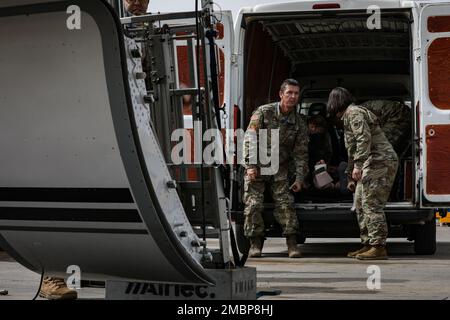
425	238
243	243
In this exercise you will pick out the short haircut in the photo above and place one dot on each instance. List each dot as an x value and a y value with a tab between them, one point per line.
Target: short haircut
338	101
318	121
289	82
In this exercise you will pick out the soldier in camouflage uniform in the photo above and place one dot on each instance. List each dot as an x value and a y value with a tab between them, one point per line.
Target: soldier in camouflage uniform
293	146
373	165
395	121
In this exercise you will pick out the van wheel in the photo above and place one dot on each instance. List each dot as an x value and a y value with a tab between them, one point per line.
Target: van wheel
425	238
243	243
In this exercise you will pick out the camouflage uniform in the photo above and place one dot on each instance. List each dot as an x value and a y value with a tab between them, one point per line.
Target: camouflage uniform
395	121
369	150
293	138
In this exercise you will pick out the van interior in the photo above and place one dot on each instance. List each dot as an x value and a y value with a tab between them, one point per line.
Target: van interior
323	51
320	49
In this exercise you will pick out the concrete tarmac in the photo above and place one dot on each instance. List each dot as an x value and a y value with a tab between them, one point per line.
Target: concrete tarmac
324	272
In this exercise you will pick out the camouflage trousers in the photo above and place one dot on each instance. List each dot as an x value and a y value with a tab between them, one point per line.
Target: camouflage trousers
371	195
284	211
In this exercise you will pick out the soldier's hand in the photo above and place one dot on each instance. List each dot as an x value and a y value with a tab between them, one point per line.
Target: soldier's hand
296	186
252	174
356	174
351	186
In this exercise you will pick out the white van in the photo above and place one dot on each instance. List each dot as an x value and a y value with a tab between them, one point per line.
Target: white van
393	50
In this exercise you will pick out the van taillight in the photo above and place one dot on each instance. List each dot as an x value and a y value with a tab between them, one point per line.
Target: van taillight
326	6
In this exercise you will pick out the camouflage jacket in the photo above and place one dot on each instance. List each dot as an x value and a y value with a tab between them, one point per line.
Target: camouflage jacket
364	139
395	121
389	112
293	139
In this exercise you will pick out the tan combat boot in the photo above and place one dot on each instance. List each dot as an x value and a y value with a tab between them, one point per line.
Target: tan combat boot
353	254
375	253
56	289
293	251
256	245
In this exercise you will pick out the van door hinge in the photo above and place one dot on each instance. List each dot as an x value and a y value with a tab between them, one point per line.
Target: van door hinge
417	56
234	58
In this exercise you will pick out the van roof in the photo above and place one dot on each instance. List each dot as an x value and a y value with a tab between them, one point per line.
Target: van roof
307	5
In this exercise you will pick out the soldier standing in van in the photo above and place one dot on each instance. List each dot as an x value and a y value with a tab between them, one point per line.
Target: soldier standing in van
293	145
372	164
395	121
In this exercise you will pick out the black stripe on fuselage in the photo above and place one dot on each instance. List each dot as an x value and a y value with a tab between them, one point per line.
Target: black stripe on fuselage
96	195
65	214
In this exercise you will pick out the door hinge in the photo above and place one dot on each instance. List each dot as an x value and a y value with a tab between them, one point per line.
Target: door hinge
234	58
417	55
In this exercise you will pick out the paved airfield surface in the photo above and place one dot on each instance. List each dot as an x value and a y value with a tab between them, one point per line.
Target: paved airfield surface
323	273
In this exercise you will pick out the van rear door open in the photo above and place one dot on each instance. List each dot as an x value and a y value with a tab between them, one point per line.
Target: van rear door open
434	103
